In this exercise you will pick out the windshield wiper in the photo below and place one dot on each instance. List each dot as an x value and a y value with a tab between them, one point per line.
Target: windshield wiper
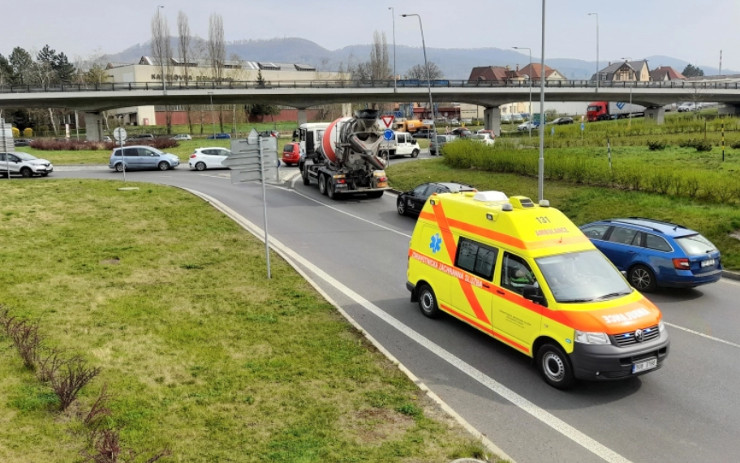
590	299
611	295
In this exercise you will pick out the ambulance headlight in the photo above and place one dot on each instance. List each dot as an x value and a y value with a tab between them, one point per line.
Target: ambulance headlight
661	326
587	337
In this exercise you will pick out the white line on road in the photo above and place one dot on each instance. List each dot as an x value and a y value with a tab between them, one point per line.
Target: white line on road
538	413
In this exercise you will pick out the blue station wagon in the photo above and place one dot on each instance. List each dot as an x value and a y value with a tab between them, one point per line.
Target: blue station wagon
653	253
142	158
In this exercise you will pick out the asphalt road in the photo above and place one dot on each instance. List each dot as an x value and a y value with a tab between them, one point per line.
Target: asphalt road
356	251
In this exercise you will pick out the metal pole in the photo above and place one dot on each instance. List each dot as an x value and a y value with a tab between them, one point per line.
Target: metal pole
530	86
264	206
429	75
393	16
541	165
629	121
597	49
161	58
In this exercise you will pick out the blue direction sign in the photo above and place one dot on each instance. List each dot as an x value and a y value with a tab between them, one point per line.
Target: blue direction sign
388	134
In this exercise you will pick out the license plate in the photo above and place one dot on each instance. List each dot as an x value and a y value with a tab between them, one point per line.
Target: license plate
707	263
645	365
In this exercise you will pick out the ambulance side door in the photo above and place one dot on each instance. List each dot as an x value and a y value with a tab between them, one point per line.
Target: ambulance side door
471	294
514	316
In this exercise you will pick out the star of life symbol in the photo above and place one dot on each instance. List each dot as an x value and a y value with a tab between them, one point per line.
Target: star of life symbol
436	244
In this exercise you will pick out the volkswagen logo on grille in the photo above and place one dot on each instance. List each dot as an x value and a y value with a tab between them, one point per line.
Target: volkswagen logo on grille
639	335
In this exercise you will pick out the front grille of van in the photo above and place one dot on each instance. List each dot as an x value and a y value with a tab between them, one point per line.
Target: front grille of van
630	337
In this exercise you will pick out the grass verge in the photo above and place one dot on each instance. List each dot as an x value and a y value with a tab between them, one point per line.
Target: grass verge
200	354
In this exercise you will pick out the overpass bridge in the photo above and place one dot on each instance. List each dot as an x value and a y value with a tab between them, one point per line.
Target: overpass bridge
92	99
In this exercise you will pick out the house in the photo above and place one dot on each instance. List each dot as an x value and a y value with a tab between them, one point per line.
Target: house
625	71
665	73
494	74
534	71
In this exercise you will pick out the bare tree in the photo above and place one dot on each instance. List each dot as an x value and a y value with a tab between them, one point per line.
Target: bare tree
183	51
379	62
217	54
418	71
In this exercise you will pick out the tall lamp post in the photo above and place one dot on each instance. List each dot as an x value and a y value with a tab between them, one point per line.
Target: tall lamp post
529	77
393	16
597	49
541	163
429	74
629	122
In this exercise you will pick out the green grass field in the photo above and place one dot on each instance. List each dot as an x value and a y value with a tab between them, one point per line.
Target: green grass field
203	357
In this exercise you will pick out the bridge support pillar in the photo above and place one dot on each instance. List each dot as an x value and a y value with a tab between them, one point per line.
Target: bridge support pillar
492	119
94	127
728	109
302	117
346	109
657	114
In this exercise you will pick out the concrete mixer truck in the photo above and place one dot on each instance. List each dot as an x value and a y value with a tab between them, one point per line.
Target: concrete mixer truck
342	157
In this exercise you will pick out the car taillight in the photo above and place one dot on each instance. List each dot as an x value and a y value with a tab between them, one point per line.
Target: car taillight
681	264
192	156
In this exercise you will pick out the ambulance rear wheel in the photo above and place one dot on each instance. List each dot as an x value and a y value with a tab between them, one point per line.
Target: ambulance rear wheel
555	367
428	302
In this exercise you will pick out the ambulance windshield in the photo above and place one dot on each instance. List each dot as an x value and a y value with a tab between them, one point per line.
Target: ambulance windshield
582	277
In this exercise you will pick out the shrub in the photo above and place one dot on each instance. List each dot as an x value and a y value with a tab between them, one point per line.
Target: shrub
28	132
656	145
16	132
72	376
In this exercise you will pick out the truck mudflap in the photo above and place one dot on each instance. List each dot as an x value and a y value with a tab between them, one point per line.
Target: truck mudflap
606	362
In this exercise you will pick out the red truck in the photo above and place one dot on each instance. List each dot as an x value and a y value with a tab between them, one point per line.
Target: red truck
603	110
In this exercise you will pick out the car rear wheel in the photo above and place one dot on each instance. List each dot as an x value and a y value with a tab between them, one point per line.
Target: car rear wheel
554	366
119	167
428	302
200	166
163	166
642	278
26	172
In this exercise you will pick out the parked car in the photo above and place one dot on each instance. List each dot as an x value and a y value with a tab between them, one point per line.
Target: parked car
461	132
142	157
22	141
526	126
291	153
142	136
436	144
182	136
653	253
684	107
516	117
561	121
215	136
423	133
411	202
208	158
24	164
486	138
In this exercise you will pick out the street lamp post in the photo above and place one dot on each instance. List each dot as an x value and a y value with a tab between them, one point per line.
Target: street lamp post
597	49
529	77
629	122
429	74
541	163
393	16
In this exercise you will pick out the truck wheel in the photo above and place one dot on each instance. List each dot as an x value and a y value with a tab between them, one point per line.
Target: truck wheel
322	184
330	189
554	366
414	153
304	174
428	302
641	278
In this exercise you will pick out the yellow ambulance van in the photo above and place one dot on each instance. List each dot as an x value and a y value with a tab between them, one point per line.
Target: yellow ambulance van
526	275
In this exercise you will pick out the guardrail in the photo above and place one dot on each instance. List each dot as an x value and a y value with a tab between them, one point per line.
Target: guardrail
400	84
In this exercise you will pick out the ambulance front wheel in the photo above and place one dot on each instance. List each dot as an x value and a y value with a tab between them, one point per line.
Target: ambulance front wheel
428	302
555	367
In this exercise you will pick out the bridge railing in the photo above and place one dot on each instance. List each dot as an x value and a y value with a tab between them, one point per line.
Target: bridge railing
348	84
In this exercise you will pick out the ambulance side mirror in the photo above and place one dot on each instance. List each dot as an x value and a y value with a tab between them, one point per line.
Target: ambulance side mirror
534	294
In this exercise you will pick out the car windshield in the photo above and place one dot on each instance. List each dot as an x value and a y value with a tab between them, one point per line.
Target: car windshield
695	245
582	277
25	156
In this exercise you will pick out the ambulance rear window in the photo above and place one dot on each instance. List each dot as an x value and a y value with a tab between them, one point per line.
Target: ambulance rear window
476	258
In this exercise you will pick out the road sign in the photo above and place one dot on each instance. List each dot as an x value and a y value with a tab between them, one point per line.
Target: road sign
387	120
119	134
253	158
388	134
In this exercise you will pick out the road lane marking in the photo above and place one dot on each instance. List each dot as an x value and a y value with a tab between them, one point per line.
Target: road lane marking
698	333
525	405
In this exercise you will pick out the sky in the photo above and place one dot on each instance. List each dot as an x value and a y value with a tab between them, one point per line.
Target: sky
697	31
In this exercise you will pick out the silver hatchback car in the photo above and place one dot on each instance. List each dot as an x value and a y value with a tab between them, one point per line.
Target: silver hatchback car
142	158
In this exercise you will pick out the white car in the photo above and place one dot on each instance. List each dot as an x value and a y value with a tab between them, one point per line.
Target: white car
526	126
485	137
24	164
208	158
684	107
182	136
